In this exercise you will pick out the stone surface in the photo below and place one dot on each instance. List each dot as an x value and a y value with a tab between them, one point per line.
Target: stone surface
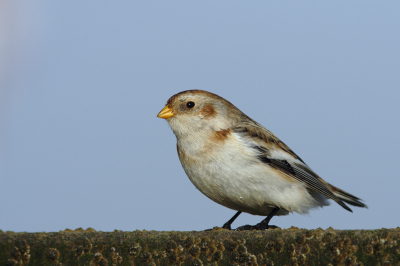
217	247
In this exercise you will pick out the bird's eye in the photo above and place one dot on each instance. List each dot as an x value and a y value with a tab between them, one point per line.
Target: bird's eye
190	104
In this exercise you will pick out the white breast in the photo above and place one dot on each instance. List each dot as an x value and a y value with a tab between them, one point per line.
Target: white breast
230	174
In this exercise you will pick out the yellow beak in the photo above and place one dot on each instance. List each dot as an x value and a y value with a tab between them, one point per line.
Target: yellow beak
165	113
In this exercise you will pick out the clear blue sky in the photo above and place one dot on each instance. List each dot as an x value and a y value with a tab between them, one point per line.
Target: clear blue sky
81	83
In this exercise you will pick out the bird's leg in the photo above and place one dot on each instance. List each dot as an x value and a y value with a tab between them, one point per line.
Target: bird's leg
263	225
227	225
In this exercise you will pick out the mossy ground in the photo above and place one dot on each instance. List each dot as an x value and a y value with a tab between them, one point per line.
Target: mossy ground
217	247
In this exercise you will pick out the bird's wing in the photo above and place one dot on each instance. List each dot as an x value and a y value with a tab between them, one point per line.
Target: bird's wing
273	152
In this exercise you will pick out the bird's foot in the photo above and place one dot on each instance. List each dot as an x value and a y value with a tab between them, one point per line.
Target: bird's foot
259	226
227	226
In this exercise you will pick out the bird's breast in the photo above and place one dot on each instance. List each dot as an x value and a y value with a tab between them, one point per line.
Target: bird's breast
231	175
224	173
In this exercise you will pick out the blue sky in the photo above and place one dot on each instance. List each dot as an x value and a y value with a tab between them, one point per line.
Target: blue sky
81	83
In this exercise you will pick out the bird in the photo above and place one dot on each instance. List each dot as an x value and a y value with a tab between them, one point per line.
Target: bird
238	163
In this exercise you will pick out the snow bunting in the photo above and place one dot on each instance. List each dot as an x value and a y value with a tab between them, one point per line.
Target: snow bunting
241	165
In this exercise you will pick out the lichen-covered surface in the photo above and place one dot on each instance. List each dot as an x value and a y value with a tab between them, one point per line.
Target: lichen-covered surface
217	247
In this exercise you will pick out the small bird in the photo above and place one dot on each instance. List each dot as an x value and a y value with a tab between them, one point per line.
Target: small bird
241	165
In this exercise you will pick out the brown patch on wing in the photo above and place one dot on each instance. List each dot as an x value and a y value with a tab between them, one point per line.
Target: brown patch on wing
208	111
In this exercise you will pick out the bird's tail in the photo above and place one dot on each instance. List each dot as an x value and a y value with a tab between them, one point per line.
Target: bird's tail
346	197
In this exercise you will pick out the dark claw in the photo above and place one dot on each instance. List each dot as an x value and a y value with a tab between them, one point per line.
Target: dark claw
227	226
260	226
